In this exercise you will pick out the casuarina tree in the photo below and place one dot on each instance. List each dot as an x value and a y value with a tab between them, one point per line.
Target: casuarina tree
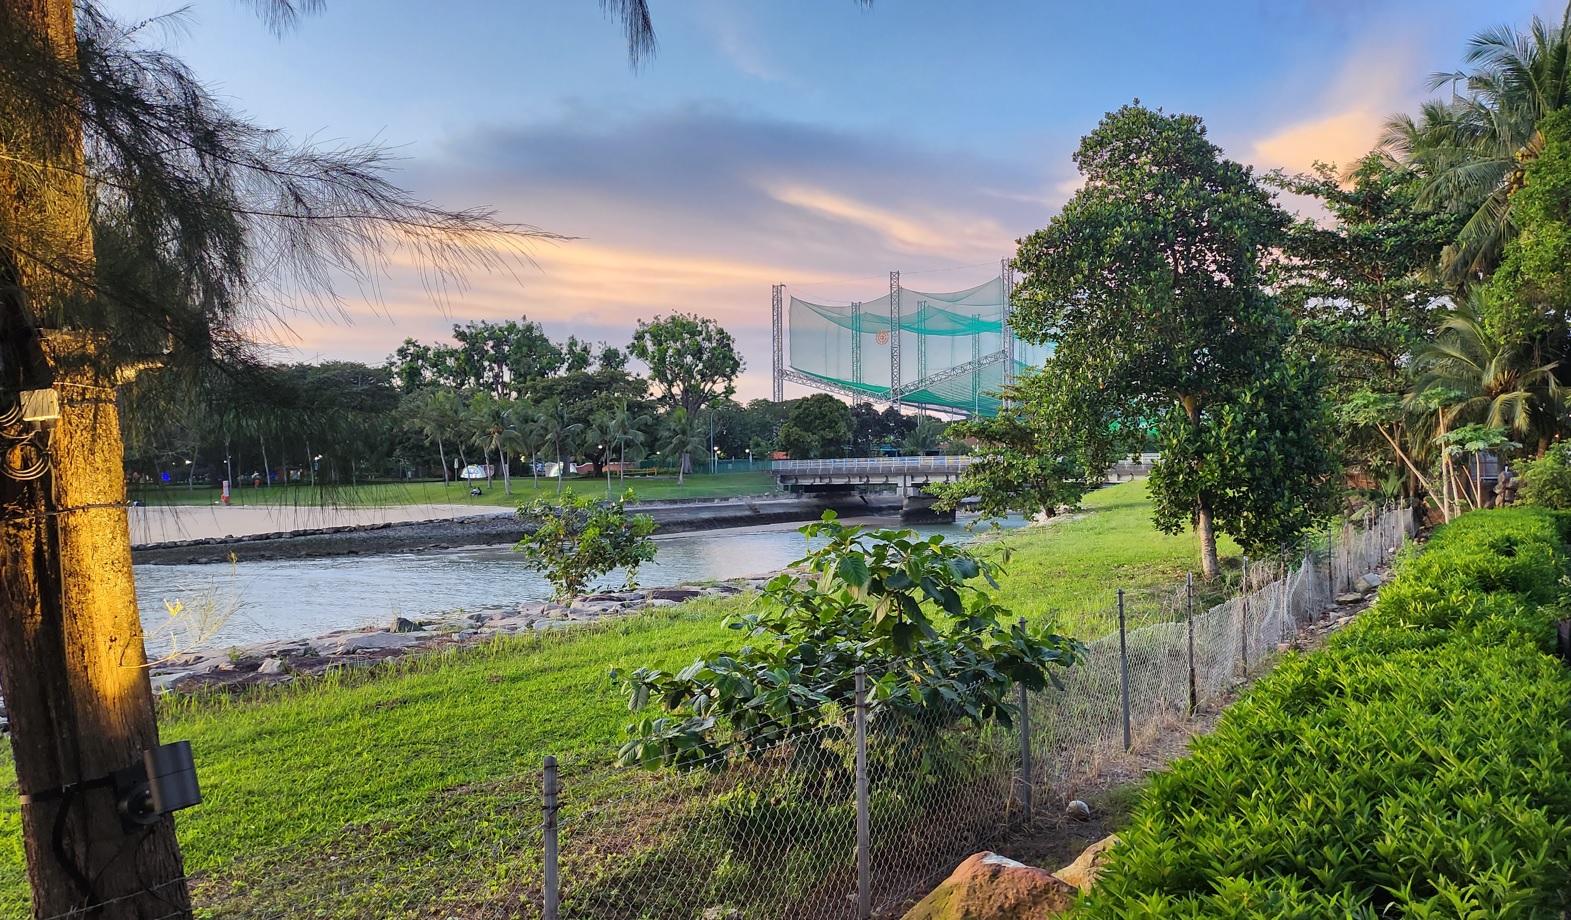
1148	286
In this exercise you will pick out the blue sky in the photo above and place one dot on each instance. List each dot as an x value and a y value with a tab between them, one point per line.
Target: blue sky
810	142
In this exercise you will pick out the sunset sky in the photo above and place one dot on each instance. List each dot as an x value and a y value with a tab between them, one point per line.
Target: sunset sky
809	142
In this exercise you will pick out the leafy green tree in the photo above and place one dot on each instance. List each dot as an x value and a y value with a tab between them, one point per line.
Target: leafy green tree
1029	458
692	360
935	646
629	431
1149	286
556	427
1546	482
577	539
926	437
818	427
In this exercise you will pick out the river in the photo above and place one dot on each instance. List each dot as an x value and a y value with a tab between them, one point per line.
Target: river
234	605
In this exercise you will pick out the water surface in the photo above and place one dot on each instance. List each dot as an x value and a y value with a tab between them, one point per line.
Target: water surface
300	598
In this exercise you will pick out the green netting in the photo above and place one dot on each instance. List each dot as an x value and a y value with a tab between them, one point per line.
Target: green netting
850	345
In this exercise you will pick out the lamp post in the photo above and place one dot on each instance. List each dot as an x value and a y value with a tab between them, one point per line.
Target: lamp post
607	467
313	468
749	459
190	478
714	463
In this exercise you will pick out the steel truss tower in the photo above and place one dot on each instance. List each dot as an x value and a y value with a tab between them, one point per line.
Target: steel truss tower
777	307
894	338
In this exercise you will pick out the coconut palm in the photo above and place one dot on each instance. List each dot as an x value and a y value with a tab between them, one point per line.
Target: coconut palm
555	426
1469	375
629	429
681	437
1471	151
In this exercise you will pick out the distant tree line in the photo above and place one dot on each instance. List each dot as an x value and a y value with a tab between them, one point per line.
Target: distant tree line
505	396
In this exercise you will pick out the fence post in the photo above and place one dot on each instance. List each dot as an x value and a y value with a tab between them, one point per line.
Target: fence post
1027	776
1243	622
1189	601
1123	668
553	882
864	831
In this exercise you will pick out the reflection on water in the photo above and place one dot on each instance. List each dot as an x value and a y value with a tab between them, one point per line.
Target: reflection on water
300	598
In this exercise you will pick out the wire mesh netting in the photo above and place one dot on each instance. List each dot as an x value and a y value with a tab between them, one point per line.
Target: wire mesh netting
854	345
773	833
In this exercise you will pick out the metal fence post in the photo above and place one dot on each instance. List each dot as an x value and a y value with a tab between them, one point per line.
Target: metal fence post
553	882
864	831
1123	668
1026	775
1189	599
1243	622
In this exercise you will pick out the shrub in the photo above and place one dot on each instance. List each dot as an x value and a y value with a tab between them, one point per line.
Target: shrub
1420	766
1546	482
578	538
935	646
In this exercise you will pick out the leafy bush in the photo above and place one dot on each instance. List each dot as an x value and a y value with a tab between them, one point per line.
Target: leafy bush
578	538
1420	766
934	645
1546	482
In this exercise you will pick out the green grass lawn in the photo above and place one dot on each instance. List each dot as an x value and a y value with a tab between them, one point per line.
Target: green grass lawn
330	759
388	494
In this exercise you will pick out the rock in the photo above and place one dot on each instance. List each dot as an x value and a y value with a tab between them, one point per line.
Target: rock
401	625
662	602
343	645
1373	579
991	887
272	666
1083	872
1078	810
477	619
163	683
465	634
1345	599
722	913
674	594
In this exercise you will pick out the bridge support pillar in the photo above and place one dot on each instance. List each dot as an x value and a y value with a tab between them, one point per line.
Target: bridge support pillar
918	509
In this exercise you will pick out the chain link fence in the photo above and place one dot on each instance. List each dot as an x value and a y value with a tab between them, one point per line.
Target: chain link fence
854	819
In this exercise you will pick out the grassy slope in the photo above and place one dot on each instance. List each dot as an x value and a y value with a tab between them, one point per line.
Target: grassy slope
307	761
385	494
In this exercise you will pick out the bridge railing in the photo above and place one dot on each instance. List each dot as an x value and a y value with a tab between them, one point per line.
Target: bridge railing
877	465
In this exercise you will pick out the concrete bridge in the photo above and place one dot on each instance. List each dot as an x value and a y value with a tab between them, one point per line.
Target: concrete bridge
908	477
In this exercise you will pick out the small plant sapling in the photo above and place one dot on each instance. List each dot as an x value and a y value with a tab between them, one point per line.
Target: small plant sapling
578	538
936	647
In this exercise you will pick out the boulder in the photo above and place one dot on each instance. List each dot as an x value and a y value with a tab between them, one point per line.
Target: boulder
674	594
991	887
1083	872
1078	810
361	642
1345	599
272	666
401	625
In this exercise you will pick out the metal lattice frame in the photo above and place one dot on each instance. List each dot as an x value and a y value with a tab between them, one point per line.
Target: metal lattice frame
1008	276
856	343
777	307
894	337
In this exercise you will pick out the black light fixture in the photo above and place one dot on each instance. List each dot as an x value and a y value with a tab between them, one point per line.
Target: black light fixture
165	782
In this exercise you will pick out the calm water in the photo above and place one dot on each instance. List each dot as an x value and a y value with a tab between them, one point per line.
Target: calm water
300	598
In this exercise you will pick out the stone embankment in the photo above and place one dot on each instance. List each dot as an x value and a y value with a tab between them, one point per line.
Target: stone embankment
286	660
500	527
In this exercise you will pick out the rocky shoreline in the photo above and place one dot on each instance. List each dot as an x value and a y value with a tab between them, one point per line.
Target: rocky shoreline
284	661
674	516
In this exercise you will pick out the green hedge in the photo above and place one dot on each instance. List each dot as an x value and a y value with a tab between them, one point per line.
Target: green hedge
1419	766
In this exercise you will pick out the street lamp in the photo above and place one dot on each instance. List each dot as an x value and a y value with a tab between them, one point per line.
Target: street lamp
714	466
749	459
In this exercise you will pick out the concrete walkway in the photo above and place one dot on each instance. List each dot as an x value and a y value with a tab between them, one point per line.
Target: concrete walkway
198	522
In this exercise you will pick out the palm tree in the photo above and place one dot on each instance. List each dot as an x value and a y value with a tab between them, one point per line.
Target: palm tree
1469	375
520	437
629	428
683	436
434	413
554	427
480	423
1471	151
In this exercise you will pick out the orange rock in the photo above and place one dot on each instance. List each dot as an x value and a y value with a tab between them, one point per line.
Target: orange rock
1082	873
991	887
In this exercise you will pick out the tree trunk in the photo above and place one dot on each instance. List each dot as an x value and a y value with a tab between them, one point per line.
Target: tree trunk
561	470
1205	516
507	476
442	453
72	663
1205	526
